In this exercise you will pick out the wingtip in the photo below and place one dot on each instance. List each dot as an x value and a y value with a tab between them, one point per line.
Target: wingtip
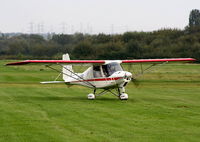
16	63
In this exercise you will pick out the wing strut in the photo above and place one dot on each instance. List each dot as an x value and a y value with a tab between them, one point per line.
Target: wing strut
84	81
79	77
57	77
149	68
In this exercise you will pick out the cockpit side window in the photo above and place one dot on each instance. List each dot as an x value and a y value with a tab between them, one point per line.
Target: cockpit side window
97	71
105	70
109	69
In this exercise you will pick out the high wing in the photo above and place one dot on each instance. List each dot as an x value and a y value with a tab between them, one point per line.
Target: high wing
101	61
57	62
160	60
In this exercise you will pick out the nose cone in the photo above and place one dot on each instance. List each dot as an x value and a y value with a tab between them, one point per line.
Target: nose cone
128	76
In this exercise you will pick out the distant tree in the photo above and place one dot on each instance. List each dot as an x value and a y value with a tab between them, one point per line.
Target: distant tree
78	37
102	38
62	39
83	50
163	43
36	38
129	36
136	36
111	51
133	49
194	19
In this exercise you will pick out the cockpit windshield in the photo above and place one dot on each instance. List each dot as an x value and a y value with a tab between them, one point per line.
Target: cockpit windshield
109	69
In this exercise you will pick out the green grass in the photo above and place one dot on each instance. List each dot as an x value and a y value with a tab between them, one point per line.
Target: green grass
164	108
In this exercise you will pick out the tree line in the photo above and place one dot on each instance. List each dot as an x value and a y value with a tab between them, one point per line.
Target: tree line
164	43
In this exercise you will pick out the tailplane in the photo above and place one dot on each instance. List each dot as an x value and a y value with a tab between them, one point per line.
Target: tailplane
52	82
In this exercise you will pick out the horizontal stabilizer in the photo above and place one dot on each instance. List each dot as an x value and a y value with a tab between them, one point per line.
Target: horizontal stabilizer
52	82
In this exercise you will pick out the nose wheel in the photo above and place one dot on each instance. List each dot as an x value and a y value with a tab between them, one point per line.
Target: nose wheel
123	96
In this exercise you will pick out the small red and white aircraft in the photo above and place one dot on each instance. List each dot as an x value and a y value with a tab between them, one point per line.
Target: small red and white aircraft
102	74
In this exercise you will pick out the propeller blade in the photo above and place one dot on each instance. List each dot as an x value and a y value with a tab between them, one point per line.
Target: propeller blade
135	82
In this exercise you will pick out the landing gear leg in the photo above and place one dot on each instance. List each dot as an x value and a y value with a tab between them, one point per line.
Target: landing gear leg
122	94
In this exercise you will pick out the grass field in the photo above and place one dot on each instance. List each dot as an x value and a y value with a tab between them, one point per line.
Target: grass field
164	108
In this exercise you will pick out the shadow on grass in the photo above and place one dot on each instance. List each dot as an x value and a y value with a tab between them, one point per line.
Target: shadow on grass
68	98
157	100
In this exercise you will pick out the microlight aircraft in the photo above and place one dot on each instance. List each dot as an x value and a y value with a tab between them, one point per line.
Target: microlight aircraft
102	74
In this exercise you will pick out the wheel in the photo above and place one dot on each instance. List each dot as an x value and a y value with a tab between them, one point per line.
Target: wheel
91	96
123	96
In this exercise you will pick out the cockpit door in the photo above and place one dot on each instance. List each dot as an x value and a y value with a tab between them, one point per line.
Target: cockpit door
97	73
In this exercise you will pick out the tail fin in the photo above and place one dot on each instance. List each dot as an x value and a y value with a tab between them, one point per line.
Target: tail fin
67	69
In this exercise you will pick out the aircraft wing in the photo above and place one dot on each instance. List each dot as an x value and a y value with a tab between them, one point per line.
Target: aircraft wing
160	60
101	61
57	62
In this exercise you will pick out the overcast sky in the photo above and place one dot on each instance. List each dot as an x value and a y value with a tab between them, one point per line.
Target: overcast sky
93	16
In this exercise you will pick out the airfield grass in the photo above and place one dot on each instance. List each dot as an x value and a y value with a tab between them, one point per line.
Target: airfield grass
165	107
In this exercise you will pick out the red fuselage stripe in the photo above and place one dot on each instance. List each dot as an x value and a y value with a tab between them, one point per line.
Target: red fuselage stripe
100	79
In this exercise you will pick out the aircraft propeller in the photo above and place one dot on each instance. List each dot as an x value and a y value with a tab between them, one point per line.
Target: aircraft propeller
135	81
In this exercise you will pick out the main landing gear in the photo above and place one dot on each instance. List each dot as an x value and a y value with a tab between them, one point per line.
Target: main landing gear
91	96
120	94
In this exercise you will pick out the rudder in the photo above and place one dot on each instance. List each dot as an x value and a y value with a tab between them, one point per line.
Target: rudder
67	69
